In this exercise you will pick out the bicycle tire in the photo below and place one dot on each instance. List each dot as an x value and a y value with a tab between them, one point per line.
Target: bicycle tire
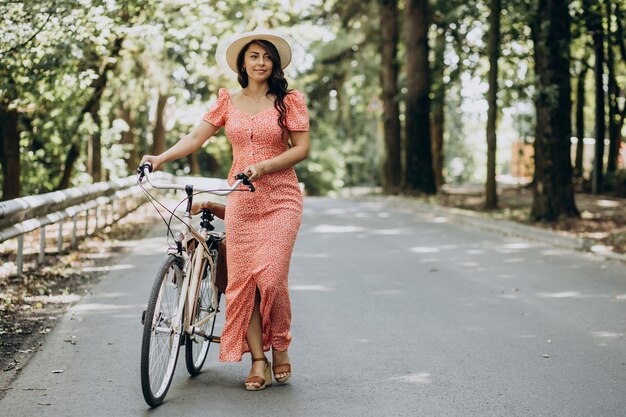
196	346
159	349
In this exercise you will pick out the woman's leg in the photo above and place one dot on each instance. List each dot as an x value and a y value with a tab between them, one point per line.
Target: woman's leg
254	339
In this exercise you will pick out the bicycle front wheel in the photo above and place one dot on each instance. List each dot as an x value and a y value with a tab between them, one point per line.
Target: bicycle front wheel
196	345
161	334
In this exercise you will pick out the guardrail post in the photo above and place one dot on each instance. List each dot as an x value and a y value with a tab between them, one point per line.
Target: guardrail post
42	246
86	222
74	231
60	237
20	255
97	209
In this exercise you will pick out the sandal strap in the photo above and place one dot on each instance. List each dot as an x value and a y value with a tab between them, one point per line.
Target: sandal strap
255	379
264	359
282	368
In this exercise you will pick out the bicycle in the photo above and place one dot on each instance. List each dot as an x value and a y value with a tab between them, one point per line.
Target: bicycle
184	300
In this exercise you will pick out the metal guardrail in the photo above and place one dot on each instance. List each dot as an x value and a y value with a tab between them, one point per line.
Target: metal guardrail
108	201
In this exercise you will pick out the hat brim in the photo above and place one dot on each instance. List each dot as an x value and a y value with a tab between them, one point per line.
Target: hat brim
229	48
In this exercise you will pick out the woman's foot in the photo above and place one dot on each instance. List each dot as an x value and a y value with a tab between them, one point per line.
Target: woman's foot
282	366
260	376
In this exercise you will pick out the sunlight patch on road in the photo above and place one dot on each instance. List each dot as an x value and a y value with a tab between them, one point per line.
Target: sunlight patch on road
421	378
332	228
440	219
517	245
101	307
111	295
564	294
107	268
425	249
606	334
388	232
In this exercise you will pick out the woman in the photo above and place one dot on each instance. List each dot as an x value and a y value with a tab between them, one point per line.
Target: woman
260	121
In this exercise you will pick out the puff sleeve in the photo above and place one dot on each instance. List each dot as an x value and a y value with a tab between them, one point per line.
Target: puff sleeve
297	113
218	112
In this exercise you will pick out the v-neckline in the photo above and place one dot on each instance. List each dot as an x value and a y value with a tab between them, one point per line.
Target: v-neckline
246	113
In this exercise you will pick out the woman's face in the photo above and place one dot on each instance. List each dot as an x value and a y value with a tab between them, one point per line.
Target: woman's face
257	63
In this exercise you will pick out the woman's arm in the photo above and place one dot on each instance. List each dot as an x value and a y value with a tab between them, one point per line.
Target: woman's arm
298	152
188	144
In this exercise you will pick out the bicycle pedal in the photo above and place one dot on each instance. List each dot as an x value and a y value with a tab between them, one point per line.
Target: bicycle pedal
143	317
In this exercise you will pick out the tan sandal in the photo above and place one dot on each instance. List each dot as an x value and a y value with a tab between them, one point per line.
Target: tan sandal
280	369
263	382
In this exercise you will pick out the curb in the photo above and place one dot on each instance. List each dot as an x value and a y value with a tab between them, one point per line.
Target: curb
511	228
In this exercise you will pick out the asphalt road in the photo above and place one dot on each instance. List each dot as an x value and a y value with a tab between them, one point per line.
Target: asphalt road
395	313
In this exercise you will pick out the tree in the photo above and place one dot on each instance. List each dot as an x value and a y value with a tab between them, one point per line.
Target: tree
580	117
419	174
593	18
10	153
615	124
553	194
491	196
392	166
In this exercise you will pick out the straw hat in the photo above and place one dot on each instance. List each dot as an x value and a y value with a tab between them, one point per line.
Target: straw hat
229	48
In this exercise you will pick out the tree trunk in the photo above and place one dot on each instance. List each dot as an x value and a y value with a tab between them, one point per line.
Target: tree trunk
612	97
580	119
598	163
438	103
158	144
94	152
10	154
128	141
392	166
491	195
419	164
553	194
194	163
593	20
70	159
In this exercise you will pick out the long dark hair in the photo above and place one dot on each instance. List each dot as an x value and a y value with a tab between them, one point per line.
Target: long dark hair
276	82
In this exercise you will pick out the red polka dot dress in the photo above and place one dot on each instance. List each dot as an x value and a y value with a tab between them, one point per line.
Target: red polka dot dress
261	226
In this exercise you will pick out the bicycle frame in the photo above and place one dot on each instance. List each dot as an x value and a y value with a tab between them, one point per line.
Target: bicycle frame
194	262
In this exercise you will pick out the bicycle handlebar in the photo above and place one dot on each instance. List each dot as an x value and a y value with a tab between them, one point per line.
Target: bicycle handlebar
145	169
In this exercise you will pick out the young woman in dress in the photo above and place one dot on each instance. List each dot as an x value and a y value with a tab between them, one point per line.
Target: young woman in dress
268	127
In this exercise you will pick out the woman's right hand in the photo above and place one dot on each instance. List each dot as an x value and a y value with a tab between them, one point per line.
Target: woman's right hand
152	159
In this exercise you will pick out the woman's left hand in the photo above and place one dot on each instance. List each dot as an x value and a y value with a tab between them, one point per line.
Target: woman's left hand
256	171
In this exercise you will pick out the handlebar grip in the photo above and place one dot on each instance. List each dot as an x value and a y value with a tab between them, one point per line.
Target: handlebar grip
142	168
246	181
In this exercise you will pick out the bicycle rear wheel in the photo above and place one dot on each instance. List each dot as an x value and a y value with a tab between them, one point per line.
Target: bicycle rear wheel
197	346
161	335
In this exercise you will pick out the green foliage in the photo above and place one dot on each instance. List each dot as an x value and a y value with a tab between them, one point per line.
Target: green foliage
52	53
